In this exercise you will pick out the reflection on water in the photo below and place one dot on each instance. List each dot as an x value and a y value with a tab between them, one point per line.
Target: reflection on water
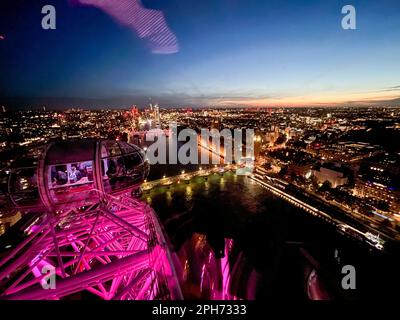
168	197
213	225
222	183
188	193
234	240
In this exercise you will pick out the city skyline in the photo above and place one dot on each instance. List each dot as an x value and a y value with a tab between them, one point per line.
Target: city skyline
322	188
218	152
253	53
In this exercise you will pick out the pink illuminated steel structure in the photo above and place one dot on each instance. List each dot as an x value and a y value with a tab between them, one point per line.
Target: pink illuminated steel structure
112	247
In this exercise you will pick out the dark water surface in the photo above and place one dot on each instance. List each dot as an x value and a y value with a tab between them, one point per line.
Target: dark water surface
234	239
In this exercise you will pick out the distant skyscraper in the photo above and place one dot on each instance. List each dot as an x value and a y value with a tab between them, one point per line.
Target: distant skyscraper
157	116
135	117
155	111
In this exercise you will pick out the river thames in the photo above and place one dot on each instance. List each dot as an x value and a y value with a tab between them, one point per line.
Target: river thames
234	239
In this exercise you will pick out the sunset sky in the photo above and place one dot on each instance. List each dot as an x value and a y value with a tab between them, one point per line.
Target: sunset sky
231	53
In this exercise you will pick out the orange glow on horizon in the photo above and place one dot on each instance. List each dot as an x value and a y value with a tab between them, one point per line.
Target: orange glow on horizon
330	99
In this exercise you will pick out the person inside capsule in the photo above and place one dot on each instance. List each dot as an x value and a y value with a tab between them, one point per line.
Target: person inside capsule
75	175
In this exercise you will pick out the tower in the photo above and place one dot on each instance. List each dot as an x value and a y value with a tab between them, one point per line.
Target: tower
155	111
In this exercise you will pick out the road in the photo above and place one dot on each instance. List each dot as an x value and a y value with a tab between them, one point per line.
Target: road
342	222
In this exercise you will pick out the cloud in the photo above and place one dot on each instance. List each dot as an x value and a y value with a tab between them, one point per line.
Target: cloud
389	89
172	98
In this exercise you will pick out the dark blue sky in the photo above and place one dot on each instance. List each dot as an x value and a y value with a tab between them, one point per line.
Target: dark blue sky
232	52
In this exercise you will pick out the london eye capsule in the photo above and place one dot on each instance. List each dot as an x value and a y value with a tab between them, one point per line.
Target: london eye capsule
75	172
87	226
